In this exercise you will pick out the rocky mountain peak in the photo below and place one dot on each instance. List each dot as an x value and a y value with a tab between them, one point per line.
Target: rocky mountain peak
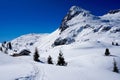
77	10
73	12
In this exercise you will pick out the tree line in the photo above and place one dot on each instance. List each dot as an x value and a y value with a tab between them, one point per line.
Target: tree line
61	60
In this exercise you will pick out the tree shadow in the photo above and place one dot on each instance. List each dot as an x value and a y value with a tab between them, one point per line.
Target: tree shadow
113	55
41	62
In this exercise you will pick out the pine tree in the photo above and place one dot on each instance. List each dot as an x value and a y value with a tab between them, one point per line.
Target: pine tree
117	44
61	60
112	43
9	45
1	49
36	55
107	52
49	60
115	68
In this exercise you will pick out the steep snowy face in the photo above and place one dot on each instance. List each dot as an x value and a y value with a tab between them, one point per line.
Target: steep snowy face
27	41
113	17
73	12
81	26
76	20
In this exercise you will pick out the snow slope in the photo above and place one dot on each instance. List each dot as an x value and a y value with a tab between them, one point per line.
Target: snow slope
11	68
83	64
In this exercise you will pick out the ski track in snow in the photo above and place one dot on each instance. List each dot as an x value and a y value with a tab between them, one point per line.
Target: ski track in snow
37	74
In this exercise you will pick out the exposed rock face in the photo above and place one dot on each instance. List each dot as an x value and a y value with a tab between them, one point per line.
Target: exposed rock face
64	41
25	52
59	42
114	11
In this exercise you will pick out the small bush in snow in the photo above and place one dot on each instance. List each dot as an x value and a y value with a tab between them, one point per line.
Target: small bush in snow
107	52
49	60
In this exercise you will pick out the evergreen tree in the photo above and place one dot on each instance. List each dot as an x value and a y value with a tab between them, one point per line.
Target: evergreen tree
117	44
112	43
4	42
107	52
61	60
36	55
9	45
115	68
1	49
49	60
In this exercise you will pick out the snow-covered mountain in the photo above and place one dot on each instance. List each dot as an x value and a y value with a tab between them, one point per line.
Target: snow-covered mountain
82	38
27	41
81	26
77	27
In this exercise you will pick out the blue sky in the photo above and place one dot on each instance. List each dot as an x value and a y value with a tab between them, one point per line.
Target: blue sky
18	17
